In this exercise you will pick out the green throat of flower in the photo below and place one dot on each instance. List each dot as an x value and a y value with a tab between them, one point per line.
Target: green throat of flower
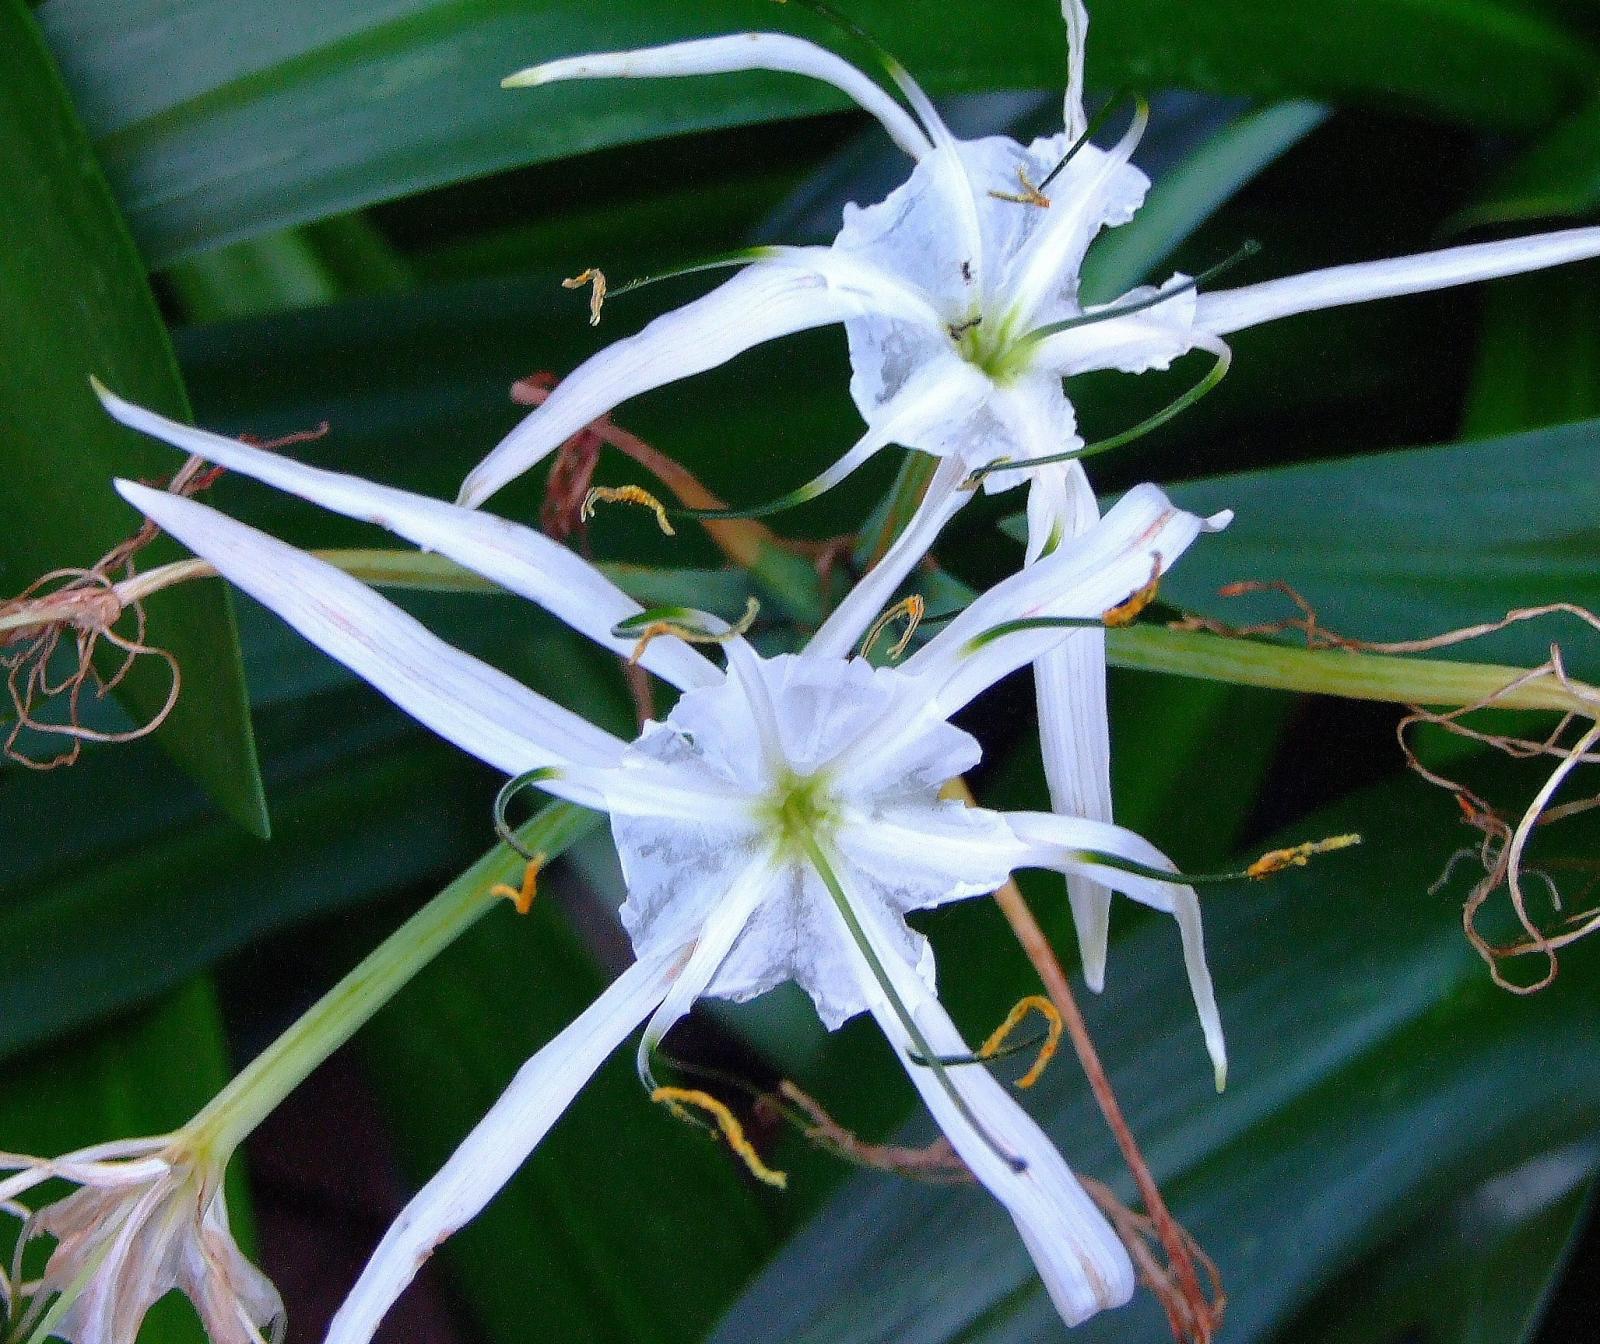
799	810
990	342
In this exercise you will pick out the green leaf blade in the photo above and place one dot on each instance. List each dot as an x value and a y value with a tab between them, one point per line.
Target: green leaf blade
1409	544
217	127
73	292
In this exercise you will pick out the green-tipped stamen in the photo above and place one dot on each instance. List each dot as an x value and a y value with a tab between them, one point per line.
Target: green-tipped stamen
801	494
1274	861
1021	1047
1174	408
1022	623
502	800
1090	131
929	1058
1246	250
717	261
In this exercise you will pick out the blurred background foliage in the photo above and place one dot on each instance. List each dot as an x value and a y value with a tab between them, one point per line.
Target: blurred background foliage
285	214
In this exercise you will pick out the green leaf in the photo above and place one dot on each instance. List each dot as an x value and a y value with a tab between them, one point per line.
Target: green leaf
625	1225
1558	176
1375	1069
1409	544
145	1074
1477	1270
1539	353
299	268
1482	1268
99	921
74	296
218	127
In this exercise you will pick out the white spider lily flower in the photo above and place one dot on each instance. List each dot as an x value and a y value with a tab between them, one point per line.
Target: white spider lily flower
777	825
148	1216
963	316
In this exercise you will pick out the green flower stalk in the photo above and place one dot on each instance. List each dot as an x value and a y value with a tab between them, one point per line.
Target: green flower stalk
149	1214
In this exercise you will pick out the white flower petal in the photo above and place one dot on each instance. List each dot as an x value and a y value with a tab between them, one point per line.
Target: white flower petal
1070	688
1186	910
1098	189
122	1245
1082	1263
1077	21
526	562
952	409
1082	578
953	180
862	605
764	301
947	236
826	707
679	870
796	936
1029	417
1062	842
500	1143
921	104
1150	339
116	1253
466	701
677	874
919	857
1234	309
738	51
1059	842
926	231
225	1287
636	789
712	943
1061	505
879	289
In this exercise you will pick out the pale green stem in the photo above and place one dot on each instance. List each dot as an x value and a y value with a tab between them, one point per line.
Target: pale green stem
419	571
1438	682
258	1089
386	568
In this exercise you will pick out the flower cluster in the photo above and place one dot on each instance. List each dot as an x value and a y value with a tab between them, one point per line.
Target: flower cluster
789	811
960	300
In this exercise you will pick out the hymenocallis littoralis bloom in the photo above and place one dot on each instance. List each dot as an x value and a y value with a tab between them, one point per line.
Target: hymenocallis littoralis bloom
777	825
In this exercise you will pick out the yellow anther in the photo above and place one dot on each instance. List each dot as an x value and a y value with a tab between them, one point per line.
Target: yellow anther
693	635
1029	195
1296	856
597	297
912	608
677	1098
522	897
626	494
1127	612
1034	1003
